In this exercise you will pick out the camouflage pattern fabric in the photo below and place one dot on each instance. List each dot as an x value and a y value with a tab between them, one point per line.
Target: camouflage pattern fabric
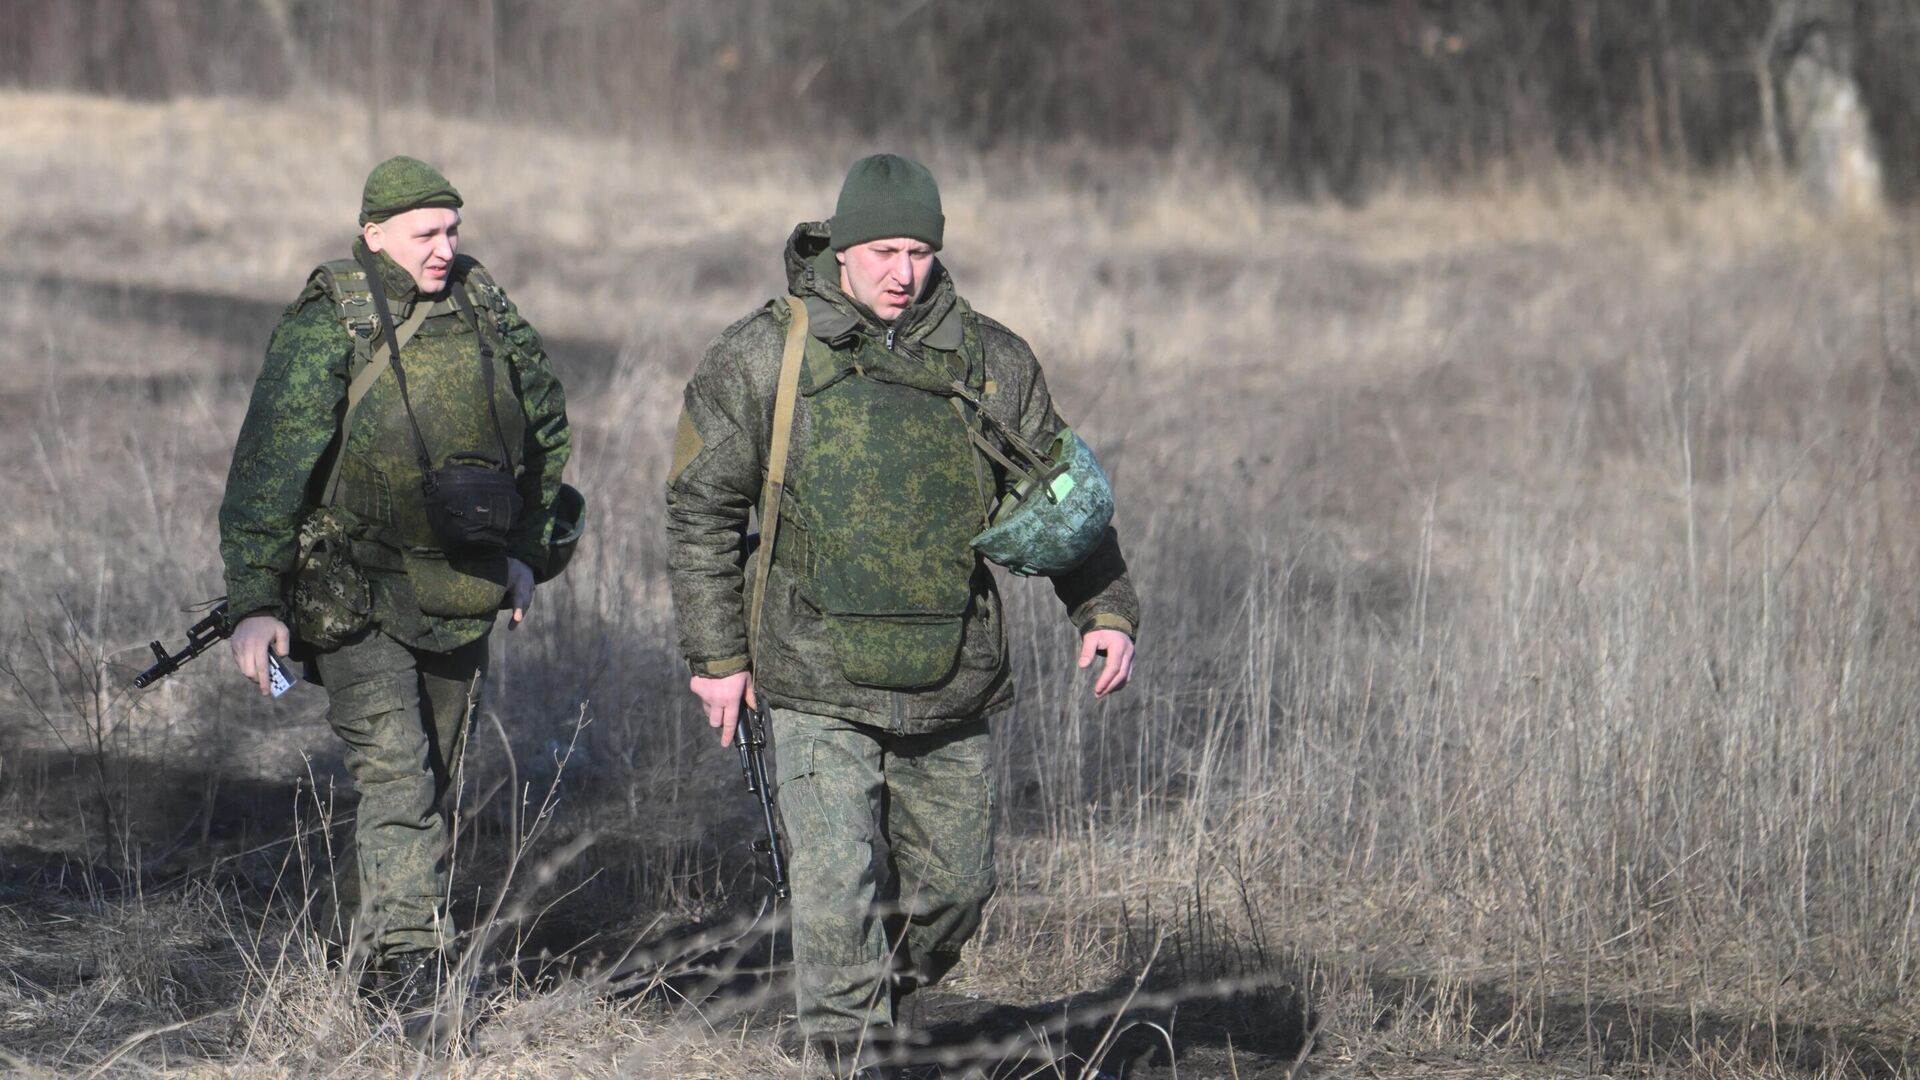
399	692
403	714
891	861
1048	529
888	493
330	601
288	436
402	183
719	461
380	478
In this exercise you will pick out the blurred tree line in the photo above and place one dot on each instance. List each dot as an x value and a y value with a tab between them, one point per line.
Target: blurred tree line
1311	96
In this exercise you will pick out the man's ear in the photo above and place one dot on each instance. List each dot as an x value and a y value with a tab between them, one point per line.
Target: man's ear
371	233
840	257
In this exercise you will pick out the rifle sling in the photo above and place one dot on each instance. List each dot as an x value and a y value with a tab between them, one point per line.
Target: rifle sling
788	389
986	447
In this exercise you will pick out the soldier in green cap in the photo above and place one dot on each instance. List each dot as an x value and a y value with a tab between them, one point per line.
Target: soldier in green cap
393	487
878	423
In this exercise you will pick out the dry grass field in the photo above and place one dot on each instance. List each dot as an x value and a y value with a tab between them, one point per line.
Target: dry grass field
1528	679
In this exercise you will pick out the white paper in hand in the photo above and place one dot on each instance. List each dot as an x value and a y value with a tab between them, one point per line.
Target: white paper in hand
279	678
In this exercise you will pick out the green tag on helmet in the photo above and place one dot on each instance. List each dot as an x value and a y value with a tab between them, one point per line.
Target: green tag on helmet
1051	527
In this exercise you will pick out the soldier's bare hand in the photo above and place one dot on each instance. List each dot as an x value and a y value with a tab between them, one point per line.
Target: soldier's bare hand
1118	647
251	639
519	590
721	697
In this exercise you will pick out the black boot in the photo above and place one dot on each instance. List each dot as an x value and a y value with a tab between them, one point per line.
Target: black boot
885	1056
418	988
855	1059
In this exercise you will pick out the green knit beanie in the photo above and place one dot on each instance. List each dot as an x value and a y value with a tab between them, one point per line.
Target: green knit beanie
401	183
887	195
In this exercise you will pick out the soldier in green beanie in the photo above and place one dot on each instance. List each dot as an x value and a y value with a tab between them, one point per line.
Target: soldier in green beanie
402	390
880	650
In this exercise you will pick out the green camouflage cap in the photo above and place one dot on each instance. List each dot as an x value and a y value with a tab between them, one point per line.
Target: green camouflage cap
401	183
884	196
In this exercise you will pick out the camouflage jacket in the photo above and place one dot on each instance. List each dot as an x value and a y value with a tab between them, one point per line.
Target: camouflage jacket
719	468
291	434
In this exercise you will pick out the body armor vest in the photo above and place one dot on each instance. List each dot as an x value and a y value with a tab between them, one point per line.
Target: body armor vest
889	492
380	476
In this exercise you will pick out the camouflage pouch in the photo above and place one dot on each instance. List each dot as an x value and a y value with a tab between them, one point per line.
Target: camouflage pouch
330	602
453	587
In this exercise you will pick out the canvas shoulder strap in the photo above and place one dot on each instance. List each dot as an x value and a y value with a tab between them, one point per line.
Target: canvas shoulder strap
486	294
345	283
787	390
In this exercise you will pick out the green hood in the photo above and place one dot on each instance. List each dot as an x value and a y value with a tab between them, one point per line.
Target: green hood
813	275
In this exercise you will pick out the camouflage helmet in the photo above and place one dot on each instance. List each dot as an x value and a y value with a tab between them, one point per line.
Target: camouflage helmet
569	522
1051	521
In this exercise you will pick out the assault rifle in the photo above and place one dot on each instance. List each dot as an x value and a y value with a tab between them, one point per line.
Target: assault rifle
201	636
751	740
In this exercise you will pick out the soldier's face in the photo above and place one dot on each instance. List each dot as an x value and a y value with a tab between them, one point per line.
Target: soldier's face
422	241
886	275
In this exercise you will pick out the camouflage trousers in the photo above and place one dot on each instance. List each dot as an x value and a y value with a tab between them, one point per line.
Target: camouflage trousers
891	860
403	714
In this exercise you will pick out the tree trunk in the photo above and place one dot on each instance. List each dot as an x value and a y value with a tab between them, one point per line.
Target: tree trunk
171	47
376	77
1829	137
292	57
1766	84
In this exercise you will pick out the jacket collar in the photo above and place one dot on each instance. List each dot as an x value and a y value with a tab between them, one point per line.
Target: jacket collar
813	276
398	284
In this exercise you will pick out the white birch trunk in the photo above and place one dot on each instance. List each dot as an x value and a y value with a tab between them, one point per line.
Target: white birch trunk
1825	117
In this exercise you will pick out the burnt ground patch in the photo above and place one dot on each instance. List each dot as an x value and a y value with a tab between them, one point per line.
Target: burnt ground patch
1620	1032
1249	1027
175	910
1213	1007
1254	1022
